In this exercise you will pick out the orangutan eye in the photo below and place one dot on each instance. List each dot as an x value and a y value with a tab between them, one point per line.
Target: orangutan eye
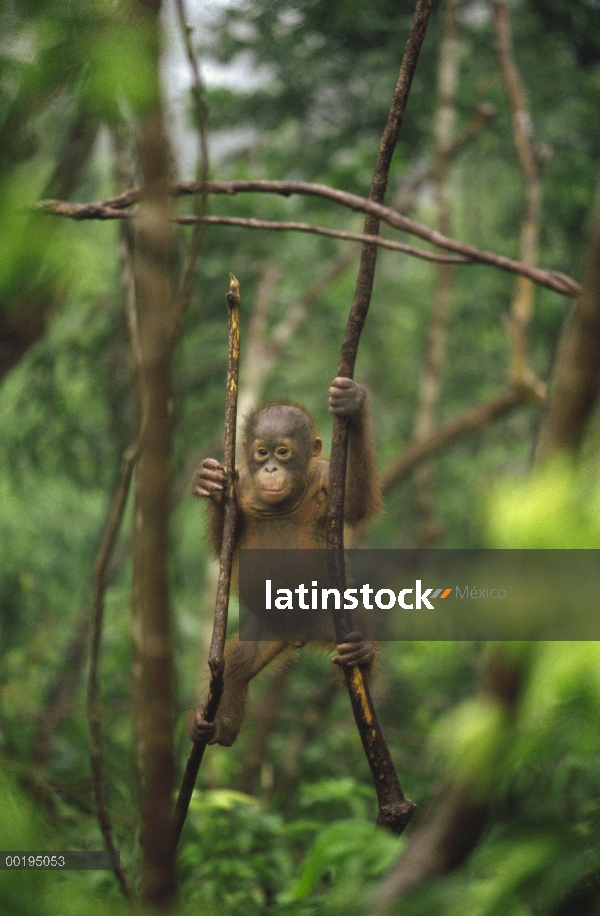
262	452
283	452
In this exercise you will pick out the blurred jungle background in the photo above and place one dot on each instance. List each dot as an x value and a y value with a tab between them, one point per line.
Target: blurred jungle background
484	438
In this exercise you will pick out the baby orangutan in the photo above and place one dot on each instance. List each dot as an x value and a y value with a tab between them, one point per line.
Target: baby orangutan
281	503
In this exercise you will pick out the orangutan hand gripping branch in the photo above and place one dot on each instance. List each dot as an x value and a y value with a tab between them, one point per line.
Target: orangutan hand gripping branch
282	501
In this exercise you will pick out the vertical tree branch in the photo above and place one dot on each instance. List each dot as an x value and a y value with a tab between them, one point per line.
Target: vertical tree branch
366	274
364	283
127	254
523	301
395	809
198	93
575	382
216	659
109	539
107	544
429	389
259	355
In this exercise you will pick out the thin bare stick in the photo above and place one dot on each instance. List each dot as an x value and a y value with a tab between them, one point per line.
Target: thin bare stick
274	225
429	528
395	809
198	93
448	432
259	355
216	658
251	223
112	209
522	305
109	536
107	544
96	210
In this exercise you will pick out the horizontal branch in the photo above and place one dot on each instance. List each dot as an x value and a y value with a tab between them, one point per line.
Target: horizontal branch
252	223
99	211
474	419
419	450
559	282
112	207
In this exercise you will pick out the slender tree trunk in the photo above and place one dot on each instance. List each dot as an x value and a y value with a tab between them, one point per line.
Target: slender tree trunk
429	393
151	613
522	306
575	382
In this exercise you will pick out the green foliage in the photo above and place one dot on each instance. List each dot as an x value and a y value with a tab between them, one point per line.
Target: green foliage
536	764
558	507
35	892
21	892
345	859
237	858
342	95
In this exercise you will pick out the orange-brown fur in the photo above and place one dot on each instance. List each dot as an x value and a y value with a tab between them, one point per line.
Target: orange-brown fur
298	521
